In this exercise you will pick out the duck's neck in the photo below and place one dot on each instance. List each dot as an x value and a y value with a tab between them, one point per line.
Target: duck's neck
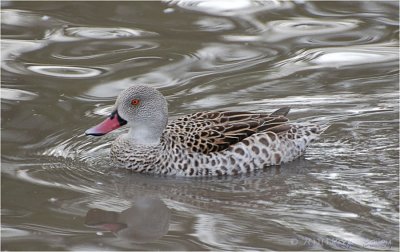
144	134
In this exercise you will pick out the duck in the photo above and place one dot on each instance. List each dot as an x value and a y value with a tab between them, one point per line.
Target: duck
212	143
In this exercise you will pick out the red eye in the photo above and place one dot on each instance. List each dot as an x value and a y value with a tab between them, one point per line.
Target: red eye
135	102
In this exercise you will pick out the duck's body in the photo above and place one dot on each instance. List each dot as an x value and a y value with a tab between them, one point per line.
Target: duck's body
201	144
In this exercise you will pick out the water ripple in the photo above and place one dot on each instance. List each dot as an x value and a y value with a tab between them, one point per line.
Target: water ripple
66	71
214	24
106	32
214	55
209	60
279	30
13	48
344	38
336	57
229	7
77	147
303	28
24	21
17	95
100	50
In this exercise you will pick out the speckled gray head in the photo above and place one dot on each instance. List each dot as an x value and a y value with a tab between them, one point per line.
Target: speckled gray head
142	103
143	108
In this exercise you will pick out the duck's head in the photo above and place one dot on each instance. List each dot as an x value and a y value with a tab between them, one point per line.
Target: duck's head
143	108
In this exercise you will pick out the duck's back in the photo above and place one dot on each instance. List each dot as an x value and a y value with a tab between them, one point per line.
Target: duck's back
208	132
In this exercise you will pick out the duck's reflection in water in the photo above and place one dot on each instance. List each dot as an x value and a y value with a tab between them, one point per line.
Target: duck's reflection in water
145	221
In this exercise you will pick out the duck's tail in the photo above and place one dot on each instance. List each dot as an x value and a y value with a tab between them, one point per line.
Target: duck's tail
284	111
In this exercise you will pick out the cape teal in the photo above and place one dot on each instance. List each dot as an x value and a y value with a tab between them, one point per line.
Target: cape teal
203	143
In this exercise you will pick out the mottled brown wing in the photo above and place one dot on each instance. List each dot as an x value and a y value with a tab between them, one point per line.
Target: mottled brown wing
215	131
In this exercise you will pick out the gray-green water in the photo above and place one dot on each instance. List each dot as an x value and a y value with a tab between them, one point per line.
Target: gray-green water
63	64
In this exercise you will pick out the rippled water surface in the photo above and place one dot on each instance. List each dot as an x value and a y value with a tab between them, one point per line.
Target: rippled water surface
63	64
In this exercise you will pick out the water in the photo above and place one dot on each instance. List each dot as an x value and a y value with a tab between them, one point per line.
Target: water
63	64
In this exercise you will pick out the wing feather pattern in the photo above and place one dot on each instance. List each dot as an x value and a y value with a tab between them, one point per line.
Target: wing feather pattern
207	132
